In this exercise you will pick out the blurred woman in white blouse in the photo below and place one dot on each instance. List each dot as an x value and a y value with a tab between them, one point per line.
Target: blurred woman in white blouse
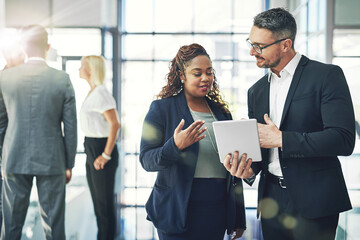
100	123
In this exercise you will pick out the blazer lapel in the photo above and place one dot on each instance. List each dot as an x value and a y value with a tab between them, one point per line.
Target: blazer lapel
294	83
217	111
181	104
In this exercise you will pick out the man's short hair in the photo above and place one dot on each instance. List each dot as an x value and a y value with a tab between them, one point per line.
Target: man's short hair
279	21
34	37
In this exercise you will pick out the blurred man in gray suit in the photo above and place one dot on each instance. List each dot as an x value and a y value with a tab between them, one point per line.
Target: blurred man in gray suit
14	56
38	134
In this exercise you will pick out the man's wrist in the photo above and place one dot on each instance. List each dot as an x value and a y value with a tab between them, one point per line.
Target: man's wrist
280	140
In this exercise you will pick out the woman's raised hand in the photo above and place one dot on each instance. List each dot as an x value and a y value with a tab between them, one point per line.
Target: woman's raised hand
185	138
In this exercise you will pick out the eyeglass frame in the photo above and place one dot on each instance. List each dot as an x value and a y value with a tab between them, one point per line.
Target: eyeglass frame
254	46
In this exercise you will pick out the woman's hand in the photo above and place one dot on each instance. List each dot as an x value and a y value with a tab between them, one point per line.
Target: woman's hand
185	138
237	233
100	162
240	168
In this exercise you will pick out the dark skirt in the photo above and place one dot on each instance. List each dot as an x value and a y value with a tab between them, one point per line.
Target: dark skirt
206	213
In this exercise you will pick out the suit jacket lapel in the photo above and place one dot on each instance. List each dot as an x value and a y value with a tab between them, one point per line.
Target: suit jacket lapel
262	100
264	108
266	99
294	83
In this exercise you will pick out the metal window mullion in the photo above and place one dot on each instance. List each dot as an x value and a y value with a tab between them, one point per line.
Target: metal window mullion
329	35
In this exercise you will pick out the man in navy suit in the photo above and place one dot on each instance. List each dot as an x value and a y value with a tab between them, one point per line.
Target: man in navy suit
305	120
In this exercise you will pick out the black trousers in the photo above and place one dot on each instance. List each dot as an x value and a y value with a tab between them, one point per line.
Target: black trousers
206	213
101	184
280	220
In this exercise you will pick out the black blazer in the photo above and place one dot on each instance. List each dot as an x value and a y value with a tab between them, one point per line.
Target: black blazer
317	125
167	204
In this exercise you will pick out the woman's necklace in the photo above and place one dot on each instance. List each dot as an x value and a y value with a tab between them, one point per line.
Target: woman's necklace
213	116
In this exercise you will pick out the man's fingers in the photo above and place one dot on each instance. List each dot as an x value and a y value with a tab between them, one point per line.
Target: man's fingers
240	168
248	165
242	165
267	119
234	163
245	171
226	162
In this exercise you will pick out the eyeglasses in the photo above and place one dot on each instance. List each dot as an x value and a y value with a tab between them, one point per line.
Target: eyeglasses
259	49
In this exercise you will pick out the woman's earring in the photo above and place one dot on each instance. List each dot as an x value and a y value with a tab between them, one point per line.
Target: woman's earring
182	81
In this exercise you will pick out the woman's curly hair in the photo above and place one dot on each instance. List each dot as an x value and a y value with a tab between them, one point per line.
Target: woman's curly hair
177	67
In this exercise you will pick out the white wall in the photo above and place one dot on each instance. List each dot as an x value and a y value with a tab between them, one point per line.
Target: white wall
2	14
60	13
278	3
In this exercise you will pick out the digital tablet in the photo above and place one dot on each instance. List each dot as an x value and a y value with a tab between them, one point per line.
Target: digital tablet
237	135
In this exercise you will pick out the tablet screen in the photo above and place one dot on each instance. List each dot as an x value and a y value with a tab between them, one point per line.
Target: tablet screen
237	135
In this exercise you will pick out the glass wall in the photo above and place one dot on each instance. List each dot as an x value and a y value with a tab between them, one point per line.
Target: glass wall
346	54
347	13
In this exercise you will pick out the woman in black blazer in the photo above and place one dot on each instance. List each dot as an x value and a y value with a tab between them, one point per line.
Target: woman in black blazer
194	197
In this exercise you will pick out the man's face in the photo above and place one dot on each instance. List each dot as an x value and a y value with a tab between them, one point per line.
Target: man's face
270	56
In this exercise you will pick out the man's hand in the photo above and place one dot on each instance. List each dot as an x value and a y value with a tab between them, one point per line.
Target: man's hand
187	137
237	233
240	168
68	175
269	134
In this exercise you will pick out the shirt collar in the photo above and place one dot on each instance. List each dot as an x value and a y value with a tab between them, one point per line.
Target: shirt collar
289	68
36	59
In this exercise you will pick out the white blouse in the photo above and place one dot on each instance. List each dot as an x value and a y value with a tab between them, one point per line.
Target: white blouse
92	119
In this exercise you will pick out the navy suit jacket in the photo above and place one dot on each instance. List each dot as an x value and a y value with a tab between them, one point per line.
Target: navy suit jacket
167	204
317	125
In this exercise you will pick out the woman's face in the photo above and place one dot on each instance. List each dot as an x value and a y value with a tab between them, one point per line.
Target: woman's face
84	70
199	77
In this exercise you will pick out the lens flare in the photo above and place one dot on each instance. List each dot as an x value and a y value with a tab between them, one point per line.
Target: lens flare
269	208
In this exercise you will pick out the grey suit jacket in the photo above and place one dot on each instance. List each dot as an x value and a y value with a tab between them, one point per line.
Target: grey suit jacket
38	126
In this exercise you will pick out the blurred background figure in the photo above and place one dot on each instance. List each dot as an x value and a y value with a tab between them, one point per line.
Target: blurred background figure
14	55
38	132
100	123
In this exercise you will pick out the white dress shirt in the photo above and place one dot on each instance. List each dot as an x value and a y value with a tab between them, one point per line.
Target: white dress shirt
92	119
279	88
36	59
